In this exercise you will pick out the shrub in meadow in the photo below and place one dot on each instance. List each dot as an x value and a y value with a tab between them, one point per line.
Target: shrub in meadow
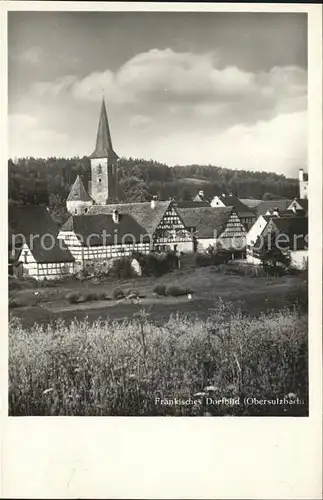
118	294
160	289
177	291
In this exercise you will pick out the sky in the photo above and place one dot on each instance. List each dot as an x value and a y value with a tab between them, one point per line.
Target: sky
228	89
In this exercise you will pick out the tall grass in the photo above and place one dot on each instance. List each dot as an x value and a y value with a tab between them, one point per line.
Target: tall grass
121	368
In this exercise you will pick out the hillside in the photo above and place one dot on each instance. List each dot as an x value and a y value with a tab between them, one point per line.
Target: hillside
48	181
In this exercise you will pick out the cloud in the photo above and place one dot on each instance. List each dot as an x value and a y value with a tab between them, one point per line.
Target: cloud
193	109
27	137
55	88
161	81
277	145
139	121
32	56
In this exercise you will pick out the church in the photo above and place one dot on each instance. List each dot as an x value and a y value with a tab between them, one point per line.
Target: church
101	228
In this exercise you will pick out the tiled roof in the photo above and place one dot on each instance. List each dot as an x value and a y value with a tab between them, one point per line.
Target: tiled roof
251	203
266	205
32	223
293	226
144	215
78	192
205	220
100	229
240	208
192	204
103	147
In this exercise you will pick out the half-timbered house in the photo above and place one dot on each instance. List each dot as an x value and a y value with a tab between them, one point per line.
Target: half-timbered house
246	214
211	225
34	244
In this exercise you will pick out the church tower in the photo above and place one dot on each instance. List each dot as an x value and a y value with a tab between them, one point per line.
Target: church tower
78	201
104	164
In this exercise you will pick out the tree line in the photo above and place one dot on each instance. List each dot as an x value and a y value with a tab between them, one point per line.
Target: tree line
48	181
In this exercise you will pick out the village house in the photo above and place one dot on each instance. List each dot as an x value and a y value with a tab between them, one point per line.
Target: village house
211	225
34	247
290	232
120	229
246	215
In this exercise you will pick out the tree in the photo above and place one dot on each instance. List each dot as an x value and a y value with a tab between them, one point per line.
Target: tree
57	209
274	260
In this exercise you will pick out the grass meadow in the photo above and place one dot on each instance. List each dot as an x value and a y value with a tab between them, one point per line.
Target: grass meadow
119	368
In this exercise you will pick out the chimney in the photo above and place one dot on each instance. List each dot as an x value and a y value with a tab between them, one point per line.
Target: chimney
301	175
153	202
223	195
115	216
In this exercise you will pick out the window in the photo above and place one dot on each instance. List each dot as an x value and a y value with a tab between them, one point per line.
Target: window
75	211
85	210
100	169
99	179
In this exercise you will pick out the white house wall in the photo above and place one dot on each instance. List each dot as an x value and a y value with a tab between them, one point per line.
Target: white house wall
100	252
256	230
216	202
299	258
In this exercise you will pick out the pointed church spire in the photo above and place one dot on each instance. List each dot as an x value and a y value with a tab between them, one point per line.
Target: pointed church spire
78	192
103	147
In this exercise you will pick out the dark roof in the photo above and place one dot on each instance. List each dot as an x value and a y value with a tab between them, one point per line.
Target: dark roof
205	220
192	204
240	208
32	223
145	216
100	229
103	147
293	226
266	205
78	192
201	199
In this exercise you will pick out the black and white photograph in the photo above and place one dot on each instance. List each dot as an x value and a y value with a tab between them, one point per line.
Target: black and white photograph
158	207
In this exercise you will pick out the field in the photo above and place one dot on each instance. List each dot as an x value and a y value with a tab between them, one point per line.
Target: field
253	295
237	336
128	368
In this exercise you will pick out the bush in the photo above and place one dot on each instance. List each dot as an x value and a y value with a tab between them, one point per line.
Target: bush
118	294
75	297
160	290
155	264
213	256
121	269
177	291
